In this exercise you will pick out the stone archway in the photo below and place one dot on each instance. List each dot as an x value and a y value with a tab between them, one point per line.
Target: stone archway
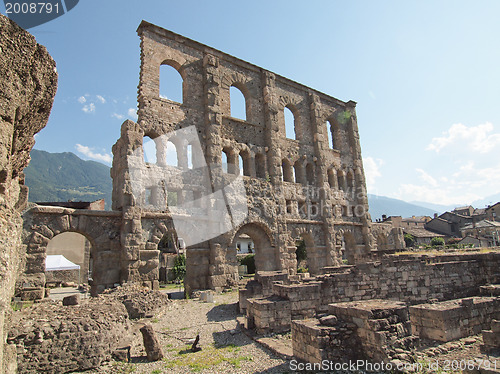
266	254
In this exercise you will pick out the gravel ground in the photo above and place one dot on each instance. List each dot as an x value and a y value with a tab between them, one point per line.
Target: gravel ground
225	348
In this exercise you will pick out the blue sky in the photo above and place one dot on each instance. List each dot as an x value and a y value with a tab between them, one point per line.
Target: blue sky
425	75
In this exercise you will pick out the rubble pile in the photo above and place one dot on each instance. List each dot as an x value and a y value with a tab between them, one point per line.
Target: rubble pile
140	302
52	338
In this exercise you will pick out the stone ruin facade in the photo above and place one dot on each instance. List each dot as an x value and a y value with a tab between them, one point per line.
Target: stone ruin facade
284	189
28	83
295	188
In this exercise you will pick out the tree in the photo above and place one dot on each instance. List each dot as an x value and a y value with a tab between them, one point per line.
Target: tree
301	251
437	241
179	268
409	240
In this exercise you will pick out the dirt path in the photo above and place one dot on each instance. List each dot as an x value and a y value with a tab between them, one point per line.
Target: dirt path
225	348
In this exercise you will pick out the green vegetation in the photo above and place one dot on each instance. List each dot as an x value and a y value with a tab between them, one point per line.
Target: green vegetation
249	261
301	251
179	268
409	240
437	241
302	269
64	177
209	357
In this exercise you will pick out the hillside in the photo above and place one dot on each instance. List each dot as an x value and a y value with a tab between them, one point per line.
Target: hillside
64	176
380	205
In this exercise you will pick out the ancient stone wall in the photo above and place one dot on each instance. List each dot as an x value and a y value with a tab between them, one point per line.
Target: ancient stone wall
28	83
295	188
403	278
101	228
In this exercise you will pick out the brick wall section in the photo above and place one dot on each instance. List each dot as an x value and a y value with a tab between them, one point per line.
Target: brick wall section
410	279
454	319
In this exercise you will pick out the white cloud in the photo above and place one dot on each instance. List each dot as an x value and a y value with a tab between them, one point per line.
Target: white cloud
132	112
101	99
372	171
427	177
460	137
82	99
87	151
444	195
89	108
118	116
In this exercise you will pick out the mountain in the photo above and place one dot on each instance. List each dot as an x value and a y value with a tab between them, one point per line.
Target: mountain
488	200
64	176
380	205
438	208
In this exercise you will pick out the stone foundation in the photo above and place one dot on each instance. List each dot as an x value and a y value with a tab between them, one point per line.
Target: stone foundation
411	280
454	319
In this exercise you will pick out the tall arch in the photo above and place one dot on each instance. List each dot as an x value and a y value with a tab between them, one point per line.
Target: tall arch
266	255
76	248
291	122
334	134
171	82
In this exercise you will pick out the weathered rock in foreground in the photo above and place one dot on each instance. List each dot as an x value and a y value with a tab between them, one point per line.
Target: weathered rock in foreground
28	83
52	338
151	344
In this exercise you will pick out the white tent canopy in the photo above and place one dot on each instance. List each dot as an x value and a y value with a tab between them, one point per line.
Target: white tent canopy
59	262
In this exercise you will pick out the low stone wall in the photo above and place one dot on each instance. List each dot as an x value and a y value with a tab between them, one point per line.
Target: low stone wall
354	331
411	279
491	339
454	319
269	313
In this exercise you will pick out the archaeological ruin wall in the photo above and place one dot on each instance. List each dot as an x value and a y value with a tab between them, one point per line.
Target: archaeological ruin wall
28	83
300	188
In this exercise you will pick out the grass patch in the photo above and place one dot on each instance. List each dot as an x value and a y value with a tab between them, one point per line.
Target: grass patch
209	357
155	320
123	368
19	305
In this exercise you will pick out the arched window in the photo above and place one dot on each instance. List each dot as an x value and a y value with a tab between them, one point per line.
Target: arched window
260	165
171	154
225	161
171	83
149	149
332	180
287	171
331	137
238	103
299	172
290	124
240	165
246	160
333	134
190	156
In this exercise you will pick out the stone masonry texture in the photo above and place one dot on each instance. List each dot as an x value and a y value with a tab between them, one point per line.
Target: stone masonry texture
28	83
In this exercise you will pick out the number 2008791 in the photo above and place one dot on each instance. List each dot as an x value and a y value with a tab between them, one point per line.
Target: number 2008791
31	8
